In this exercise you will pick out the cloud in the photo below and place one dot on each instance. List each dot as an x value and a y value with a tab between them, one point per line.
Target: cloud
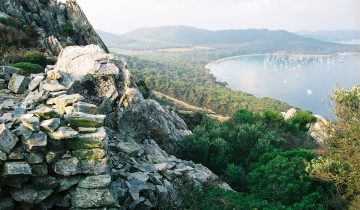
121	16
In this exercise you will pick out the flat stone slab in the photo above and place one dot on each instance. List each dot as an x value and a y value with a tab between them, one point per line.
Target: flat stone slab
66	167
35	82
46	113
7	139
18	84
80	119
89	154
92	198
85	107
64	133
31	122
37	140
93	182
52	86
50	125
16	168
30	195
88	140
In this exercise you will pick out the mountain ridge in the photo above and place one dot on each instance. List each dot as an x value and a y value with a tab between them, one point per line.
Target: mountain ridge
256	40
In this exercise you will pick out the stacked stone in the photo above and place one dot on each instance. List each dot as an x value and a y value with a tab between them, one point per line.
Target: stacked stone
52	151
12	80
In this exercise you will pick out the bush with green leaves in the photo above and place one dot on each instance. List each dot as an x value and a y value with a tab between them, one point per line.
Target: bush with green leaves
282	177
35	57
340	155
251	153
29	68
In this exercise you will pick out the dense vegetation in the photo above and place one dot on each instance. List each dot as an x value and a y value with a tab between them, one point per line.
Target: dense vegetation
30	62
272	164
340	158
183	76
262	156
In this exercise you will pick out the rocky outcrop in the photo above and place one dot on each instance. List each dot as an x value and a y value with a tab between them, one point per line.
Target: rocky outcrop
58	23
94	143
319	130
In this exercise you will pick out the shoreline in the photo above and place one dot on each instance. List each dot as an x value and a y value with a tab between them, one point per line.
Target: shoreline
208	66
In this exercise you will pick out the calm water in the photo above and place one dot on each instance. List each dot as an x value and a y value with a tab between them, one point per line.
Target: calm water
302	81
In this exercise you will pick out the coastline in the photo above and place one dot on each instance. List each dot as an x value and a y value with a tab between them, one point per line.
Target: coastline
208	66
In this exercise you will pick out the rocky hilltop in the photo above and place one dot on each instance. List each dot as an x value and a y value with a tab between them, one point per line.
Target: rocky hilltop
81	136
57	23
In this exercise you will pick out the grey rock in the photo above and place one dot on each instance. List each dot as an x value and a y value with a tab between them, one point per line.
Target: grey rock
34	98
144	167
67	182
52	86
16	168
8	104
89	154
289	114
79	119
6	203
3	156
65	100
92	182
39	169
94	167
38	140
83	130
85	107
35	82
50	125
44	182
129	147
7	139
31	122
18	84
66	167
9	70
46	113
30	195
139	175
64	133
135	186
34	157
89	140
92	198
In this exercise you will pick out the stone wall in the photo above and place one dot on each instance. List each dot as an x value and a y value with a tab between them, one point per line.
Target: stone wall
58	152
53	152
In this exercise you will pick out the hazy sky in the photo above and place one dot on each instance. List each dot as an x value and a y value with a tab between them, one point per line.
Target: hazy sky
120	16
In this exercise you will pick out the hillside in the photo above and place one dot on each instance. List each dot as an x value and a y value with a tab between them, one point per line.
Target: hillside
44	25
339	36
254	40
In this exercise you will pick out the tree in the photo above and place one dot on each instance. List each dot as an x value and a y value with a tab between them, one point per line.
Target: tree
340	159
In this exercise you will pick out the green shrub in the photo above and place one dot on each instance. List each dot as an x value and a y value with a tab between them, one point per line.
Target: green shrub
235	176
282	177
35	58
68	29
143	88
301	119
192	120
29	68
215	199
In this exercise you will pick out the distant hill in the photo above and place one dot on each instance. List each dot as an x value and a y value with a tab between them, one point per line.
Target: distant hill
339	36
249	40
